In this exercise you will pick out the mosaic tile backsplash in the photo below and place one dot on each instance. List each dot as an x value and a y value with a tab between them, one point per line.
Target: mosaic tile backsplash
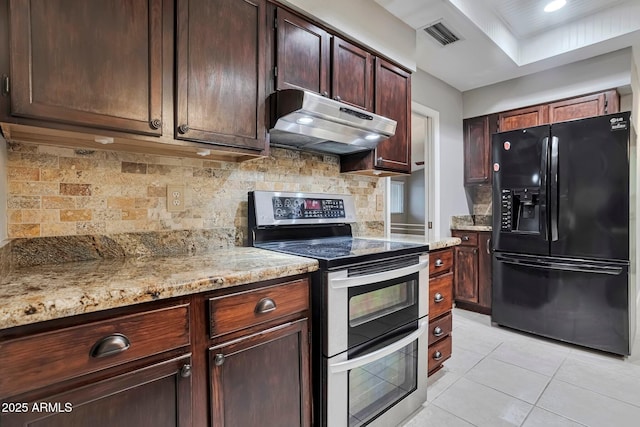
55	191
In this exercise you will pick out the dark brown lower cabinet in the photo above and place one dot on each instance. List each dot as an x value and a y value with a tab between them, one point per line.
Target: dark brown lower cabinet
158	395
263	379
472	280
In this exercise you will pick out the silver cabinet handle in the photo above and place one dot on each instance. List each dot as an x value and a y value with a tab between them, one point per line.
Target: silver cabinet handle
438	297
465	238
349	282
437	355
265	305
437	331
489	246
218	359
110	345
439	263
185	372
380	353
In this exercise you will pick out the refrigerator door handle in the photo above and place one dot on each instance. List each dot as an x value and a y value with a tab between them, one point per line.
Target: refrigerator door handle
562	266
553	197
544	217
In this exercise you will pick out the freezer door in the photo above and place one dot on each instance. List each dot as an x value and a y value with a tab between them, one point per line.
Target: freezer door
576	301
589	197
520	212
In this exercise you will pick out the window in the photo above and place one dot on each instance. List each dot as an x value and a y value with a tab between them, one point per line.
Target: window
397	197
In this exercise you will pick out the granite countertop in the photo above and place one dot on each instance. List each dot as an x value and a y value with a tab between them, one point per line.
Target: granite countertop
436	244
47	292
471	222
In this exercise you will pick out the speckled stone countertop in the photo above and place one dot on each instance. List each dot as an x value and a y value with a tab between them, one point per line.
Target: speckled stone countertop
38	293
471	222
434	245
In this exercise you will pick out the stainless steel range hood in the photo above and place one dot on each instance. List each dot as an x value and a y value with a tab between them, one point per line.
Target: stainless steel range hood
307	121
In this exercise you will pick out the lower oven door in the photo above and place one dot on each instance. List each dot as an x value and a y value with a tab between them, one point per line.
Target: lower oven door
380	386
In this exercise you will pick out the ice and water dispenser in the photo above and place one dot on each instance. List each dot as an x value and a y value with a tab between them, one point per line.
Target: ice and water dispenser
520	209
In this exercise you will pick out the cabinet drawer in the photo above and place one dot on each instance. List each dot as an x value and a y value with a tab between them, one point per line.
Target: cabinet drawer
440	295
439	328
469	238
42	359
439	352
234	312
440	262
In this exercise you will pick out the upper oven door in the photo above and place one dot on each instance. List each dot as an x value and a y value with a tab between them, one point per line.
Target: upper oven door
366	302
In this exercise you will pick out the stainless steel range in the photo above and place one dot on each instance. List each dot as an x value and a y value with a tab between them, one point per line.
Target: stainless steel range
369	308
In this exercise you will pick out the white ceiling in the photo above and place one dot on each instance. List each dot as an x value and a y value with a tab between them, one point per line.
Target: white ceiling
504	39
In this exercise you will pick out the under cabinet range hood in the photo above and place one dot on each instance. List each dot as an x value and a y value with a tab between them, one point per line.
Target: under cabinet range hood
307	121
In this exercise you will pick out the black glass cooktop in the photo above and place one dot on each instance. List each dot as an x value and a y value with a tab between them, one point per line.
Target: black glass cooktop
340	251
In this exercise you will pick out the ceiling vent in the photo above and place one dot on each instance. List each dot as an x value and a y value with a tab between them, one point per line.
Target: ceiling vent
441	33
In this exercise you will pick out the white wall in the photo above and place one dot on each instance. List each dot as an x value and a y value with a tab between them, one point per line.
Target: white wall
367	22
448	154
591	75
3	191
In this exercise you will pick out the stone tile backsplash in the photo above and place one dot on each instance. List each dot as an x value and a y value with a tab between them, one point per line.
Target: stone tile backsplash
55	191
481	198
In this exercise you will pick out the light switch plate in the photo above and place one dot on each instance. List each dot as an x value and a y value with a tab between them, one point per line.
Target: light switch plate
175	198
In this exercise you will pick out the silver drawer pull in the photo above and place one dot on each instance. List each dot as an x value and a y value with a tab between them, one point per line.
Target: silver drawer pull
437	355
437	331
439	263
110	345
265	305
465	238
438	297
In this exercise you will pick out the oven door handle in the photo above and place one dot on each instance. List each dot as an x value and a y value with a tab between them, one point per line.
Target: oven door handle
367	279
379	354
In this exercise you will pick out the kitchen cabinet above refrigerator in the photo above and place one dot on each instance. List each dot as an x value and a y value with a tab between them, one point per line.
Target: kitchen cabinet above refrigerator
478	130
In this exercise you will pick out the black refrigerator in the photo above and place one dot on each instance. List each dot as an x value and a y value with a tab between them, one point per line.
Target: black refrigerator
561	231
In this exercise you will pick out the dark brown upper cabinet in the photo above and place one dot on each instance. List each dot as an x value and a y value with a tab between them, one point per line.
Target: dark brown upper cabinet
595	104
96	64
170	77
302	54
393	100
220	55
309	58
351	74
477	149
523	118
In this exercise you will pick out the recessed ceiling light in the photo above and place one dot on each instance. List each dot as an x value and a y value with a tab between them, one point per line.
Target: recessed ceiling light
372	137
554	5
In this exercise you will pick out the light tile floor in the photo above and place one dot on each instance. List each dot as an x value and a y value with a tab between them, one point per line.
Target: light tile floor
500	377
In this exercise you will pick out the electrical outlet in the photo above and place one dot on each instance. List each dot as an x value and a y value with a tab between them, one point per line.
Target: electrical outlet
175	198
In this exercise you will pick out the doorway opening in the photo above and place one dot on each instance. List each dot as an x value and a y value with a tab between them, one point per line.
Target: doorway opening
410	208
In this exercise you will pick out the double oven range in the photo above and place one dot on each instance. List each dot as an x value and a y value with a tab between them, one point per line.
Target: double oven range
369	302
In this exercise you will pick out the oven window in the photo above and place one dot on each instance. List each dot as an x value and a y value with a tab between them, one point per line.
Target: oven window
372	305
377	386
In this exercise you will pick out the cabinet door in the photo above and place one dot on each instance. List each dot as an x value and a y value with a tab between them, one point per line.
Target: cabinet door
477	151
523	118
351	74
466	274
97	64
484	269
393	100
158	395
595	104
302	54
220	55
262	380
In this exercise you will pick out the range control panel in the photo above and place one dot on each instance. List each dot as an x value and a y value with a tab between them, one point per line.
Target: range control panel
307	208
275	208
506	210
